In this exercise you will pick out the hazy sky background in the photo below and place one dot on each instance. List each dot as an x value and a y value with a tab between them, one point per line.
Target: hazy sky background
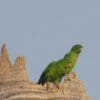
45	30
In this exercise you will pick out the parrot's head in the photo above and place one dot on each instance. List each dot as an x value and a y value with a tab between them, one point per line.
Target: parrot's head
77	48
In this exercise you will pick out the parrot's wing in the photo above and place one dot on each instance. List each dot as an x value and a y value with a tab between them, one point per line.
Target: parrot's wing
58	80
50	65
43	77
68	60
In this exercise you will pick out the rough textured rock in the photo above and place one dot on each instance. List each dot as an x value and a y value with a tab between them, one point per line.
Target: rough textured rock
15	85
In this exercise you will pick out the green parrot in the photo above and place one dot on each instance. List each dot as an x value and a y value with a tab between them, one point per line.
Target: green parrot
56	70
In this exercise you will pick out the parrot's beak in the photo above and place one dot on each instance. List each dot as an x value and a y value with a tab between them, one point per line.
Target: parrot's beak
81	49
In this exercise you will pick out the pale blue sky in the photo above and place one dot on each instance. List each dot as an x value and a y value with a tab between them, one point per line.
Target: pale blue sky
45	30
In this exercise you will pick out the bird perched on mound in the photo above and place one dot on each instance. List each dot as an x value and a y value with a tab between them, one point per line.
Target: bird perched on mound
57	69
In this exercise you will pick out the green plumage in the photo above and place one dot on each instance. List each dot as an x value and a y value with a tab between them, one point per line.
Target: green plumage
57	69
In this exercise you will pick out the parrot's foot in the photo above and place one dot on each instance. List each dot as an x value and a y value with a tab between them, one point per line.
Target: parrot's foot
49	86
59	87
70	76
54	87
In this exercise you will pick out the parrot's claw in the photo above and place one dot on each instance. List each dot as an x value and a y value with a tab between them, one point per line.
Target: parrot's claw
59	87
55	87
